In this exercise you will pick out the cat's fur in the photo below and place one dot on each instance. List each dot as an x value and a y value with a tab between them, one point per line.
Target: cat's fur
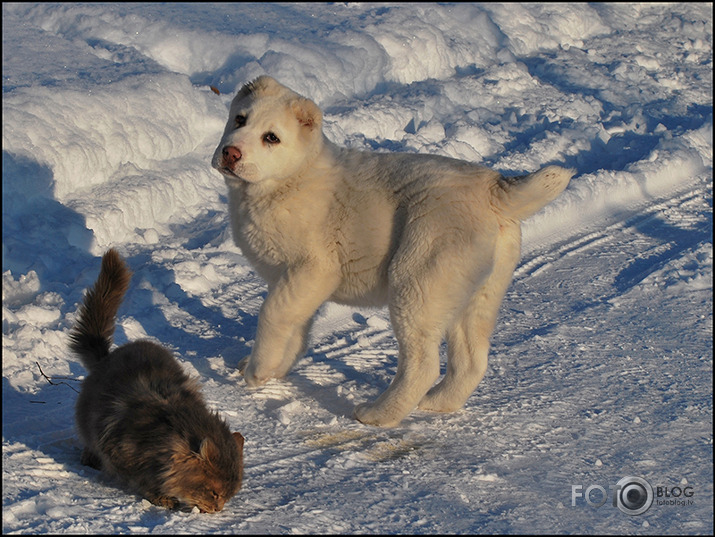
141	417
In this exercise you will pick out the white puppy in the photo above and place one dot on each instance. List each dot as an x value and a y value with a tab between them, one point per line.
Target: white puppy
437	239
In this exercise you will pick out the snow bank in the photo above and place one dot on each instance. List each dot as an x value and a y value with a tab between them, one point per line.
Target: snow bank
140	144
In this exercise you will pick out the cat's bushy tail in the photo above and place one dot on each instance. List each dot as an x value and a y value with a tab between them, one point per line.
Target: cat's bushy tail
91	336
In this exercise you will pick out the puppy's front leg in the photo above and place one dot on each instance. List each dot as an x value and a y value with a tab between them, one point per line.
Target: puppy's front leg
284	320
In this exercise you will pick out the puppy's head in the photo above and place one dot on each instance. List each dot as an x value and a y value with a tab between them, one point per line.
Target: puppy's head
272	134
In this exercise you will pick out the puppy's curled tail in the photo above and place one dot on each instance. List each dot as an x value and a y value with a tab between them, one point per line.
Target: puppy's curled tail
91	336
520	197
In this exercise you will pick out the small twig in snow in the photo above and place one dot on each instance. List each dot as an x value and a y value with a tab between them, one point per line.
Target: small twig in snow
56	383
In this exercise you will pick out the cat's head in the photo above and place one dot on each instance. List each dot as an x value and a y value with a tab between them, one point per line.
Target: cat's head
206	474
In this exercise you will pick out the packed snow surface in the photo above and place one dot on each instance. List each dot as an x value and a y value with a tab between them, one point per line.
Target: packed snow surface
601	364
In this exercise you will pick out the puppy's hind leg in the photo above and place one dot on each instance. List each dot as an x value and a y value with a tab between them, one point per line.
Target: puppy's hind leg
417	369
467	351
468	338
426	294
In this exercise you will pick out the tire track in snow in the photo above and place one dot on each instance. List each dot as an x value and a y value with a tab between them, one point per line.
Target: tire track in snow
641	219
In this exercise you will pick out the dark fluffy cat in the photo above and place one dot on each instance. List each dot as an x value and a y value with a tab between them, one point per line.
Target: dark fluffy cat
141	417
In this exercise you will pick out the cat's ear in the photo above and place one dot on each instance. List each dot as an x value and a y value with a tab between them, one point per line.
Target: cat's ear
208	450
238	437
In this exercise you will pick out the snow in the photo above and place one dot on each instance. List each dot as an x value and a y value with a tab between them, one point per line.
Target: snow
601	362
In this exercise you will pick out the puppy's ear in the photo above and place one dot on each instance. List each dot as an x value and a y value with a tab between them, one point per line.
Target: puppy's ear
307	113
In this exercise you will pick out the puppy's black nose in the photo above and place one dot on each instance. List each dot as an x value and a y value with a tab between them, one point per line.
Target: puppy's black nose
231	155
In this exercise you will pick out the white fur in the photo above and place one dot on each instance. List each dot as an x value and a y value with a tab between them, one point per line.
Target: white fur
437	239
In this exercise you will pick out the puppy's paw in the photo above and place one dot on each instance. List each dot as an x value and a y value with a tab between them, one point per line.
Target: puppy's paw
369	414
442	399
437	404
252	375
253	381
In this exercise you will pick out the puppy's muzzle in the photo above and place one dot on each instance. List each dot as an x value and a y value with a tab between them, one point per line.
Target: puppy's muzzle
231	155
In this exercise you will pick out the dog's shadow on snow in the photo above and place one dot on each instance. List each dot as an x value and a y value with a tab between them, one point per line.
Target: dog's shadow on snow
196	333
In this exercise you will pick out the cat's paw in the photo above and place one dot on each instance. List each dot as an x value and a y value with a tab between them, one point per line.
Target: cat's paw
165	501
90	459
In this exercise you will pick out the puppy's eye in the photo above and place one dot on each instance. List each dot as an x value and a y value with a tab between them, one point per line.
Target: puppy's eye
240	121
271	138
